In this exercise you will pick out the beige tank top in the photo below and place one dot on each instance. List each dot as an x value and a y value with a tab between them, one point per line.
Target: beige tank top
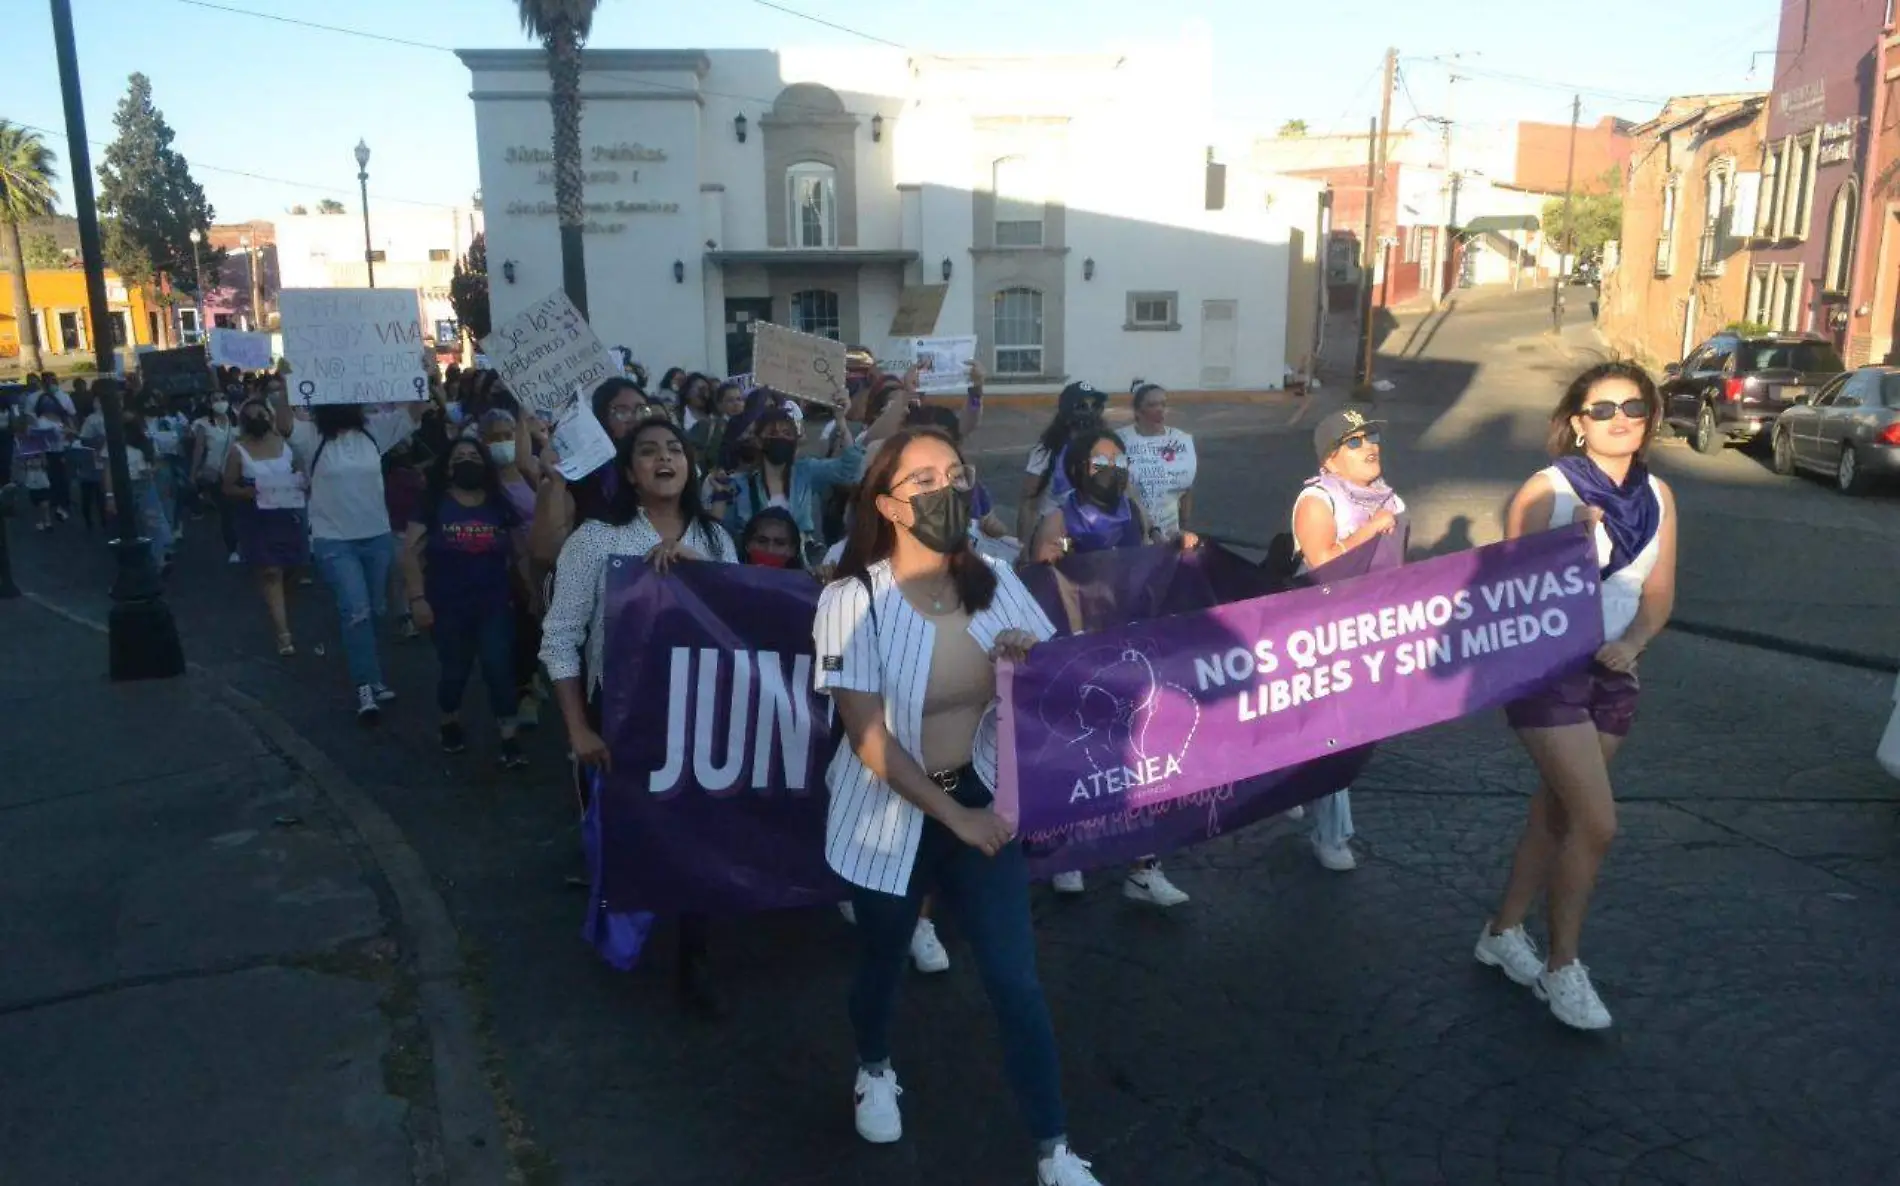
961	686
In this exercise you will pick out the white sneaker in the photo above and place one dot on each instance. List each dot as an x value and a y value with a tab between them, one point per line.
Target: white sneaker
1296	812
1151	886
384	693
1337	857
367	710
849	911
926	950
1068	883
1511	952
1573	1000
879	1121
1064	1169
234	558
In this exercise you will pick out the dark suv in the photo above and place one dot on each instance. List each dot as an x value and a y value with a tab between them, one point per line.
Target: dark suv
1733	387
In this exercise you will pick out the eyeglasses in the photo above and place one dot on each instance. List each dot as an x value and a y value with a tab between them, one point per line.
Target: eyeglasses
1634	409
1360	440
929	481
623	414
1102	461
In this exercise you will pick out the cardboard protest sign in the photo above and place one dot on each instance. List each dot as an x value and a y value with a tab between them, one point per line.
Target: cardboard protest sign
236	348
547	351
804	366
168	373
354	345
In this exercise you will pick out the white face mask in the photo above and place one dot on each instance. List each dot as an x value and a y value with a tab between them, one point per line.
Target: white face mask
503	452
221	407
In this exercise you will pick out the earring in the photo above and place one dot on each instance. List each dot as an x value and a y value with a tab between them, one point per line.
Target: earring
1579	440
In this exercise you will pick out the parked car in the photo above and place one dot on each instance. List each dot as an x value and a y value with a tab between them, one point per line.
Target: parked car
1733	387
1849	430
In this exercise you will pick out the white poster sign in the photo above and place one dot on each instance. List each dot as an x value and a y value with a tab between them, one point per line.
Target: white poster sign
236	348
802	365
354	345
547	351
943	364
578	439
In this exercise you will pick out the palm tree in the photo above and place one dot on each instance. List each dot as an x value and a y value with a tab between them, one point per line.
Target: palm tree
26	193
562	26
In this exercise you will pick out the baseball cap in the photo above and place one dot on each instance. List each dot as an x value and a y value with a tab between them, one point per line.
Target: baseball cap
1335	428
1078	393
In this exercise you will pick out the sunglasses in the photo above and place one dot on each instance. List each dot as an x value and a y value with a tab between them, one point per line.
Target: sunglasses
1359	441
1634	409
1102	461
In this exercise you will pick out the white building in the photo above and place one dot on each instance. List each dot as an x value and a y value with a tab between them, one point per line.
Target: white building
410	246
1063	210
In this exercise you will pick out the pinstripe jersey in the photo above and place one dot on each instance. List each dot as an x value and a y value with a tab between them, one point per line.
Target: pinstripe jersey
871	832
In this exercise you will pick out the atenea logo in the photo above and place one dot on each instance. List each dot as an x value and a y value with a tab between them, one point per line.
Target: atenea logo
1119	727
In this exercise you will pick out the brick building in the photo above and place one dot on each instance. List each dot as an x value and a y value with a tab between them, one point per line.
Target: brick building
1683	273
1543	155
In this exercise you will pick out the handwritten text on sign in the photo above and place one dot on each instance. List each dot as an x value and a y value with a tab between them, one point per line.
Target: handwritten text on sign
547	351
236	348
354	345
804	366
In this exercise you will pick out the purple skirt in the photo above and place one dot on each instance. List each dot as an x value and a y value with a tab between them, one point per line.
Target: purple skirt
271	539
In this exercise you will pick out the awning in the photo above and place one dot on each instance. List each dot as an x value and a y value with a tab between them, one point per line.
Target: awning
1499	224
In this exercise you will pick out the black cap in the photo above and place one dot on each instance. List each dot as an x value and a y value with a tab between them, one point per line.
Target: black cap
1078	393
1335	428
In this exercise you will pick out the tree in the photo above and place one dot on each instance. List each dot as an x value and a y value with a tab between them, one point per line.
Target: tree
43	252
299	210
26	192
149	199
1596	217
1293	129
562	26
468	289
329	206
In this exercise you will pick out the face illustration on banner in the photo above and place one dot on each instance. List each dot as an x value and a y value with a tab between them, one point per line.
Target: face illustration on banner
1131	729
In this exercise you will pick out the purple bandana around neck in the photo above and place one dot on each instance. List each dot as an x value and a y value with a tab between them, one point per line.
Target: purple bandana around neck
1631	513
1092	529
1359	503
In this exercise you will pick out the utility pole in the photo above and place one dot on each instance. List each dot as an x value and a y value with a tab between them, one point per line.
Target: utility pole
1570	232
1379	153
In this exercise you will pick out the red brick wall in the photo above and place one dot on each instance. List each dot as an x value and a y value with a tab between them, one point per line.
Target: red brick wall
1543	154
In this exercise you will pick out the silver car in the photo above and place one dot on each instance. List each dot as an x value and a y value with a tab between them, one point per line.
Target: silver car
1848	430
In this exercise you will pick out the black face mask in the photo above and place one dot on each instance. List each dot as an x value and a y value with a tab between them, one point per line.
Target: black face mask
468	475
1105	488
941	519
256	426
779	451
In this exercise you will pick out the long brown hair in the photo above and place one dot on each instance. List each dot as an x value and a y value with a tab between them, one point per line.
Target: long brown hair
873	537
1563	438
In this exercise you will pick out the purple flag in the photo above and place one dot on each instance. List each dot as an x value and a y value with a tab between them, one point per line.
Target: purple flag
1102	731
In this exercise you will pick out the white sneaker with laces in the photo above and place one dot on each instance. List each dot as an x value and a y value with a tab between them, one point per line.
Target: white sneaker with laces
1511	952
1068	883
1337	857
1064	1169
366	707
1296	812
879	1121
1573	1000
234	558
1152	887
926	950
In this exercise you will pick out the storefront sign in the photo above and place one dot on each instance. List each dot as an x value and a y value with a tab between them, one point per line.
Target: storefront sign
521	154
1803	100
1837	141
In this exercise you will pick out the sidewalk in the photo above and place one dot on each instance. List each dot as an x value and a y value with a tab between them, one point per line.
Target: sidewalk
205	979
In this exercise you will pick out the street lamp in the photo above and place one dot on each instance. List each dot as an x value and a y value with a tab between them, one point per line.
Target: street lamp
198	265
142	638
362	179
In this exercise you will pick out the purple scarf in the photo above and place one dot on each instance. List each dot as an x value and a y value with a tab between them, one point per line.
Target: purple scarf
1359	503
1630	511
1092	529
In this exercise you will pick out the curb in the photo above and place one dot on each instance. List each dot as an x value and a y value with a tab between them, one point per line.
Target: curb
1004	399
1787	646
474	1146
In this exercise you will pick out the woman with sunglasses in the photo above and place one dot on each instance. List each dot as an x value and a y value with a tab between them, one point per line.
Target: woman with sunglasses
1600	433
907	639
654	514
1346	507
1095	515
1046	482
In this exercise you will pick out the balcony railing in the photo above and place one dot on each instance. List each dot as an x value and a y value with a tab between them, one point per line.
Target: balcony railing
1709	260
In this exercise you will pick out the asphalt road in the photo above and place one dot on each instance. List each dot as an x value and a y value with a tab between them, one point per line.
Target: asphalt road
1289	1026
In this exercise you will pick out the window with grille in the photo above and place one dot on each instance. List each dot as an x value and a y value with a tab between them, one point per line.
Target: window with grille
1020	201
1018	332
1152	310
815	311
811	193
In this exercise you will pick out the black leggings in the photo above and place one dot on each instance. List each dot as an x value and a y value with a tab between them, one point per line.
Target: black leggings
92	499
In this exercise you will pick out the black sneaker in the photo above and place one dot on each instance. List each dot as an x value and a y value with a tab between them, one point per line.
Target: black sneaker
454	738
367	710
510	755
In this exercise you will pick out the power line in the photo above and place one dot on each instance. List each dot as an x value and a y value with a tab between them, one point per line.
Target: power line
818	20
285	20
1550	83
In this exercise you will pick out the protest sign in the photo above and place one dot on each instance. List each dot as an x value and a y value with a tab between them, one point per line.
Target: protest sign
578	439
918	308
1109	725
236	348
802	365
354	345
168	373
943	364
546	351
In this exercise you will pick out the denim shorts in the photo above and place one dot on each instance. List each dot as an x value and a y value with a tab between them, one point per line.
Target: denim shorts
1597	696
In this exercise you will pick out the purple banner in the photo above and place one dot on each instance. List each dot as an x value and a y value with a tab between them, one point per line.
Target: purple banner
1102	730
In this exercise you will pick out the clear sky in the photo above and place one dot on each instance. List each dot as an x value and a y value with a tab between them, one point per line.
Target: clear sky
287	103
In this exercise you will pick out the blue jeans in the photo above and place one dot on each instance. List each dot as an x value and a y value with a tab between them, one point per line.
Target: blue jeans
1332	818
357	571
463	639
989	899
